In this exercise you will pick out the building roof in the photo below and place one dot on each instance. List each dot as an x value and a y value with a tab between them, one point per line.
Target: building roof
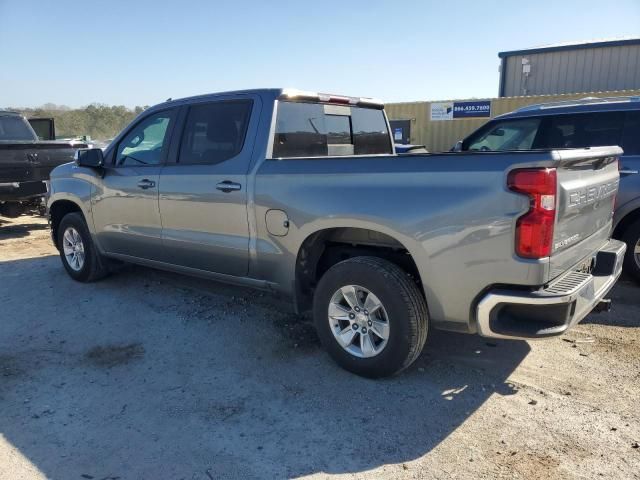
559	47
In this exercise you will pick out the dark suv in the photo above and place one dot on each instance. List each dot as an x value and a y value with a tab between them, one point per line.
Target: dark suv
589	122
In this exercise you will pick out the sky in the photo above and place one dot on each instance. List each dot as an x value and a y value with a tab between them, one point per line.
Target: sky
141	52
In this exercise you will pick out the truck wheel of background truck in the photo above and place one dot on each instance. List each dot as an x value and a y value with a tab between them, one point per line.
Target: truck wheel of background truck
632	258
79	256
370	316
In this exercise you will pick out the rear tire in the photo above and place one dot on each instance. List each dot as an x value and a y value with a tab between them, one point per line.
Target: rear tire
78	253
402	308
632	258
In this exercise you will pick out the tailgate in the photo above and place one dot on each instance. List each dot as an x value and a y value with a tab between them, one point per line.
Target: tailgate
587	187
14	164
33	161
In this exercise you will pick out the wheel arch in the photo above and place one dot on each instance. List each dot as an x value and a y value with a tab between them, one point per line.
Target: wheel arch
631	213
327	245
60	207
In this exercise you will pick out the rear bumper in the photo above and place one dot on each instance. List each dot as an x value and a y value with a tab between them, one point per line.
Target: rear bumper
19	191
505	313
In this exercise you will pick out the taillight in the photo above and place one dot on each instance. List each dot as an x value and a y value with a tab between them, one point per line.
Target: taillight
534	230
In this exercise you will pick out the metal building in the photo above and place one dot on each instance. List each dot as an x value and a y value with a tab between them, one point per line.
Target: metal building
597	66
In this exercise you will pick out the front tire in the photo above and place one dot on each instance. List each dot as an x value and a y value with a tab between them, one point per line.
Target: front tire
370	316
78	253
632	258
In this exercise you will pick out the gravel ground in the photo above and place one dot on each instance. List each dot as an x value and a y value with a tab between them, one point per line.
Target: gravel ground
150	375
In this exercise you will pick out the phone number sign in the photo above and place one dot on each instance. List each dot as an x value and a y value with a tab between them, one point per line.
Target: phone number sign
472	109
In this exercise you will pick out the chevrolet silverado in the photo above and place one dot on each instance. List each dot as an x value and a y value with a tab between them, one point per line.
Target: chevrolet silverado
303	194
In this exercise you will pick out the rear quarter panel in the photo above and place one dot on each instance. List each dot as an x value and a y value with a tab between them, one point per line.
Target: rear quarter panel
452	212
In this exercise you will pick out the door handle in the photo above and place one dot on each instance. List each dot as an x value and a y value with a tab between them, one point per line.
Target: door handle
228	186
626	171
146	183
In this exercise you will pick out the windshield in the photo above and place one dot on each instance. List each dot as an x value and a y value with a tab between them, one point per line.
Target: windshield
505	135
14	128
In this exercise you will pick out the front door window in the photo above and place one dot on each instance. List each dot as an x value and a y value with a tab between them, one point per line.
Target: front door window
146	143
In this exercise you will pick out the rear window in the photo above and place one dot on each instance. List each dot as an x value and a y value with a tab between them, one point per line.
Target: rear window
14	128
319	130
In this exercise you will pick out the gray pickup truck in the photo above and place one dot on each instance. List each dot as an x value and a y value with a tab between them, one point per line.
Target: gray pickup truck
25	164
303	194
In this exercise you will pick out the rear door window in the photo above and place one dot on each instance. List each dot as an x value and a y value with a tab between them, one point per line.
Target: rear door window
214	132
631	135
595	129
504	135
320	130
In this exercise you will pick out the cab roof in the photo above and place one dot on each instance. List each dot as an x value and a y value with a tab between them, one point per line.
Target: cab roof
281	93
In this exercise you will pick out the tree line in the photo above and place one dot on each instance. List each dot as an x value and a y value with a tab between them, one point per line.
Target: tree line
100	122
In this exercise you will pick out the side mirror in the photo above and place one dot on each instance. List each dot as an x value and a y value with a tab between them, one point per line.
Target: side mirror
458	146
90	157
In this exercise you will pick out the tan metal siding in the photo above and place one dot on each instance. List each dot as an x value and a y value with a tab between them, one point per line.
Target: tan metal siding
574	71
442	135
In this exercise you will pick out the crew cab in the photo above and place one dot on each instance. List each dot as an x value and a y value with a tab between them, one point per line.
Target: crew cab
25	163
581	123
303	194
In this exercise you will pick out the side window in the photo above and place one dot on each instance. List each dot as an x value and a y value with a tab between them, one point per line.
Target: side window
631	136
583	130
214	132
146	143
504	135
320	130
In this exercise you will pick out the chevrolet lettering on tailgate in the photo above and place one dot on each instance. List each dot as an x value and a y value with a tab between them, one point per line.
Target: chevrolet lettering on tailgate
585	196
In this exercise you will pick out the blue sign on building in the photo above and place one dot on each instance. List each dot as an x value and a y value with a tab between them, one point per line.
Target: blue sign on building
472	109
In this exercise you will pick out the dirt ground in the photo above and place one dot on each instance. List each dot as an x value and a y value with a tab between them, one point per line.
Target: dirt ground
150	375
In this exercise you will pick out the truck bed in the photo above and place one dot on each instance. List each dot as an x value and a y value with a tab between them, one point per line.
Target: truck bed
452	211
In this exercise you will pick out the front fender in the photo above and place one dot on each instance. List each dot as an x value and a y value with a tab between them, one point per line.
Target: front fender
72	184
